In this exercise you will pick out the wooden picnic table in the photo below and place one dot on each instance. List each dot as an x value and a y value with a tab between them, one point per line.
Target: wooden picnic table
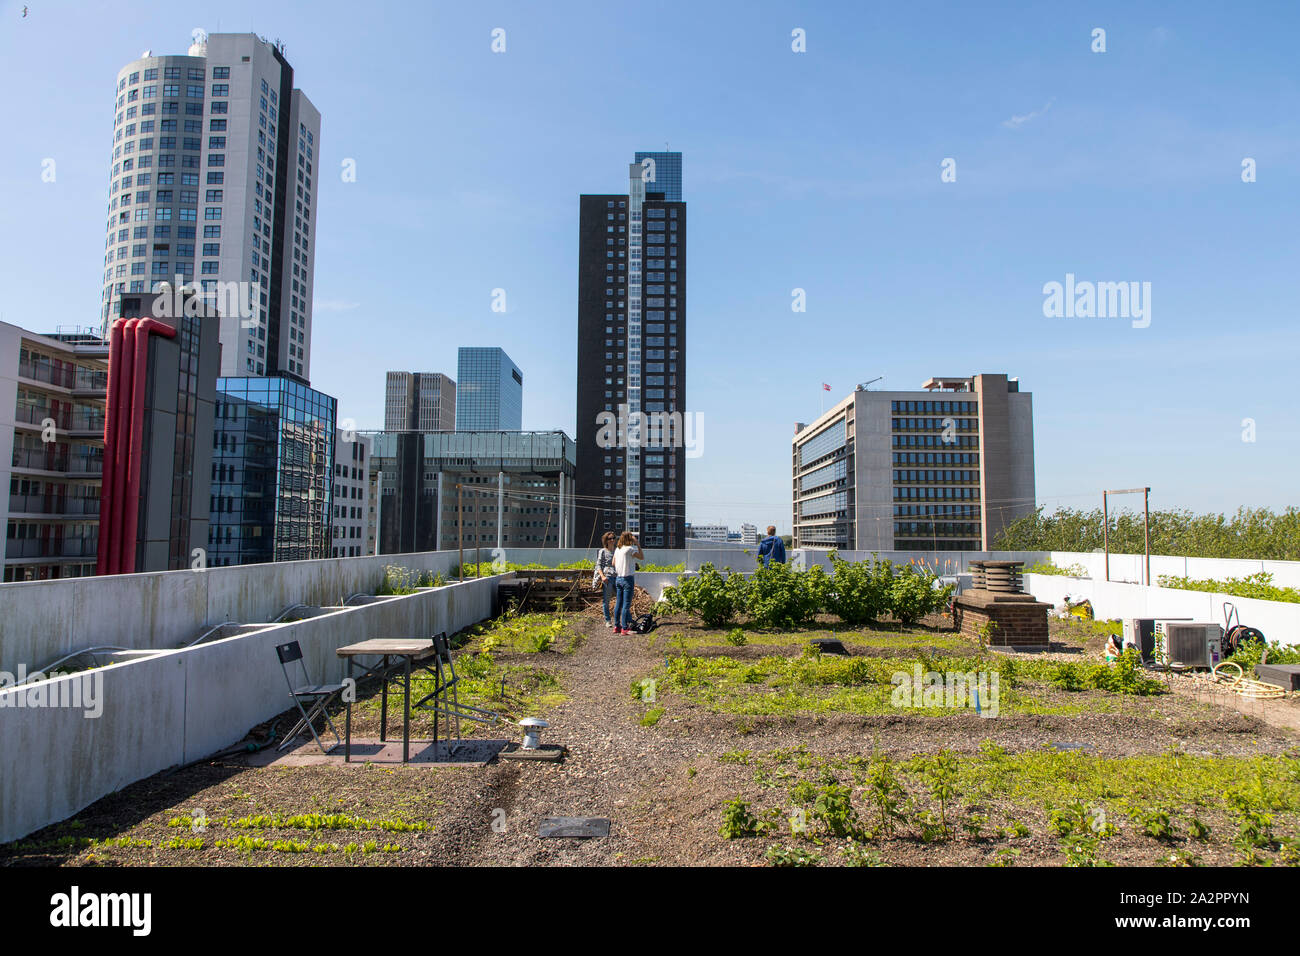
412	650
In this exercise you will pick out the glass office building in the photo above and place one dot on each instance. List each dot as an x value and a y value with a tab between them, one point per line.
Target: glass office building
490	391
272	456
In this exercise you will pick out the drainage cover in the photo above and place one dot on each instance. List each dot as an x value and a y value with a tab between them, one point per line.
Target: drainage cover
545	752
1061	745
830	645
580	827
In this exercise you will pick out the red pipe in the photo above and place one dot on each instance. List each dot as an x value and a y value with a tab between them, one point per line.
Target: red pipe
139	386
121	436
110	448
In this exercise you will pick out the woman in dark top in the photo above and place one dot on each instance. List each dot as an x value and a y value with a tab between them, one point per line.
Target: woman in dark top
604	576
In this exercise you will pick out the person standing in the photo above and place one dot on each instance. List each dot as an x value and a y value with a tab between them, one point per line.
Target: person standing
604	575
626	556
772	548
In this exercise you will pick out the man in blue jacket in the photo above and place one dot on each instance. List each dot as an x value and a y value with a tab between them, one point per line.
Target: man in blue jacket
772	548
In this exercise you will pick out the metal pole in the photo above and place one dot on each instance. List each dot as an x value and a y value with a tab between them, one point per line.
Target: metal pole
1105	531
460	530
1146	529
379	512
500	500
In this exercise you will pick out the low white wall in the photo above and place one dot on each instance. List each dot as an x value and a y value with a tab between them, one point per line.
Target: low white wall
1131	567
182	705
42	620
1278	620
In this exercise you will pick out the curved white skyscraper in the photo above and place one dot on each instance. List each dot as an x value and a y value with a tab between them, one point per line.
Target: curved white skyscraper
213	182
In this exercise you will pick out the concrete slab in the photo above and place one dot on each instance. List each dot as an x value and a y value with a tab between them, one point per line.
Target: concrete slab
583	828
424	753
544	753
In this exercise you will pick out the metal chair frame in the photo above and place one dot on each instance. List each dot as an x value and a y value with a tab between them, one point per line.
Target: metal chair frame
322	695
445	698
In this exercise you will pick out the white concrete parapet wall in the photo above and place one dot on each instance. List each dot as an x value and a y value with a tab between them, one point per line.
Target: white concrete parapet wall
182	705
1278	620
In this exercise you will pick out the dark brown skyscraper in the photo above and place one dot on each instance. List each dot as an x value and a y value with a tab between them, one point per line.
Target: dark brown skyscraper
632	358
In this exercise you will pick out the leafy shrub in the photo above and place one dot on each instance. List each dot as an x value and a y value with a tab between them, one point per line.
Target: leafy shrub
1257	533
714	597
860	590
779	596
1252	652
1259	585
913	594
1047	567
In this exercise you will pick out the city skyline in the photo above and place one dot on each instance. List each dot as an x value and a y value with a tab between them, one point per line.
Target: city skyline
1115	167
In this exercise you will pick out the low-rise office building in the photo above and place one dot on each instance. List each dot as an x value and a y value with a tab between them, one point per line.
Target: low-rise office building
946	468
443	490
351	509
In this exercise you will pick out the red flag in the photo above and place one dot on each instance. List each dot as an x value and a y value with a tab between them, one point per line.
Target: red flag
825	387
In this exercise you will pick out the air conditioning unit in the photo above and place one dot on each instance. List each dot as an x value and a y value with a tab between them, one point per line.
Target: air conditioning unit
1193	645
1140	632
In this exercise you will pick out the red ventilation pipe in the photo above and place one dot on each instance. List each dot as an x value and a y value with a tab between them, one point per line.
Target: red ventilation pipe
109	489
139	387
119	510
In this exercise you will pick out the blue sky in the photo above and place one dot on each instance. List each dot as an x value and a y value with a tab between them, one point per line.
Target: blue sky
818	170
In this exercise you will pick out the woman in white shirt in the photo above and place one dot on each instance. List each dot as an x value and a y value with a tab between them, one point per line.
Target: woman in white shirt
626	556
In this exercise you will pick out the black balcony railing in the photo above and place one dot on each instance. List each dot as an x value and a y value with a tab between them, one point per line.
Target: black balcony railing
40	372
86	547
77	505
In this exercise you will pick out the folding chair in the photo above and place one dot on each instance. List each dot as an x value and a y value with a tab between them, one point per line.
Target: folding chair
320	696
445	700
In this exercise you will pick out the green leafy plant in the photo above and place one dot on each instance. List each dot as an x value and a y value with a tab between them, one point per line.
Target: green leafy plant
833	809
1158	823
736	637
1125	676
780	596
859	591
1258	585
885	793
778	855
914	594
714	597
855	854
738	822
941	774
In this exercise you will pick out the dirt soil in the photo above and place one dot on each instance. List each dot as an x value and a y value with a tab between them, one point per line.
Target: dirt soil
663	786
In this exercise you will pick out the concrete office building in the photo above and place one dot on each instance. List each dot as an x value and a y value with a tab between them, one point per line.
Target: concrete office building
351	509
490	393
273	459
516	490
709	532
419	401
632	355
213	182
52	395
748	533
944	468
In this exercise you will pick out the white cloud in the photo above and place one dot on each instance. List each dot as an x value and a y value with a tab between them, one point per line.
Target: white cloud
1018	121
